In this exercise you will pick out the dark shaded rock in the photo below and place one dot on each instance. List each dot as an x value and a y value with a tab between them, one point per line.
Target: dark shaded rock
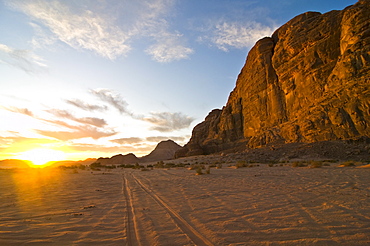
118	160
14	163
165	150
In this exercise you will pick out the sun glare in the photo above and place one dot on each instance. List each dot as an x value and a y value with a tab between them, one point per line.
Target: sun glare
42	156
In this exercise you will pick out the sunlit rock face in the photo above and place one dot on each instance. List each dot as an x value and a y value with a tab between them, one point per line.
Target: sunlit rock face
309	82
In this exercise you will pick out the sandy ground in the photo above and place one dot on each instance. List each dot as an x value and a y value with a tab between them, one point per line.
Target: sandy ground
247	206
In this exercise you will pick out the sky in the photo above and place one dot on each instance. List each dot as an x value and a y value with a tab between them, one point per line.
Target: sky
95	78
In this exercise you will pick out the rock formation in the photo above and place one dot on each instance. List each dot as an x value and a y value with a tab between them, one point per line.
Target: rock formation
165	150
309	82
118	159
14	163
67	163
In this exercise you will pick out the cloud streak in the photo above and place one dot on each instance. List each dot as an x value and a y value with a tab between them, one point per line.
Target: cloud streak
131	140
89	128
160	138
151	22
85	120
80	132
109	29
111	149
74	132
86	106
25	60
169	47
24	111
167	122
226	35
114	99
161	121
84	29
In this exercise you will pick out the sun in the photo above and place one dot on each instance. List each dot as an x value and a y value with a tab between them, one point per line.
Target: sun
42	156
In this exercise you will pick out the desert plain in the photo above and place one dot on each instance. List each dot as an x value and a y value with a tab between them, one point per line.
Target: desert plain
263	204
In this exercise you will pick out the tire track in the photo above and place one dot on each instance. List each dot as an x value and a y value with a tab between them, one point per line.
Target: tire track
191	232
131	230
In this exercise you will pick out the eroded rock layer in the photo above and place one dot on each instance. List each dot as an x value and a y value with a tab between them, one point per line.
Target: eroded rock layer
309	82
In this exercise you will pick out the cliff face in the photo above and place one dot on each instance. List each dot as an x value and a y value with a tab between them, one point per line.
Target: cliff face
309	82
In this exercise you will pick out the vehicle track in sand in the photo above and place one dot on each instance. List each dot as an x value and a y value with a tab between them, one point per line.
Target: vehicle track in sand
131	230
192	233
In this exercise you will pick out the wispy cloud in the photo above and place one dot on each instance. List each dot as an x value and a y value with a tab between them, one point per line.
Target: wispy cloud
86	106
161	121
79	132
25	60
111	149
74	131
169	47
167	122
131	140
24	111
109	29
151	23
83	29
88	127
42	38
112	98
226	35
85	120
160	138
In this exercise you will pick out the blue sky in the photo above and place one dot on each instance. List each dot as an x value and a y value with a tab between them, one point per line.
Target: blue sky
87	78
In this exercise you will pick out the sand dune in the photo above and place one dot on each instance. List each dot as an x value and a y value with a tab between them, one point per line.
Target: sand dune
247	206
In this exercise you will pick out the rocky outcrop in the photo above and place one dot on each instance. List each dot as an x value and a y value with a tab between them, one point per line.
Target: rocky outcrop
309	82
118	160
85	162
165	150
14	163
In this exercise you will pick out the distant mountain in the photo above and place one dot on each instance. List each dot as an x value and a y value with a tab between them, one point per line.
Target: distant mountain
71	163
309	82
165	150
13	163
118	159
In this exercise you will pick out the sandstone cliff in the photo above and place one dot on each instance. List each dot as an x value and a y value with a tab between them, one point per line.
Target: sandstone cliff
309	82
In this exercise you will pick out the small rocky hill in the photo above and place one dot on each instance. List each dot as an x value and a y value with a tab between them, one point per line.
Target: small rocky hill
14	163
165	150
118	160
309	82
71	163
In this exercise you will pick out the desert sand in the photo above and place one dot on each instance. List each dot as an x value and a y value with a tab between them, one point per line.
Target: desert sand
262	205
